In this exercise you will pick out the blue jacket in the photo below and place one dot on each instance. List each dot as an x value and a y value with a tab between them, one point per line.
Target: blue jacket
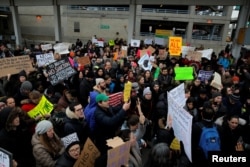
90	109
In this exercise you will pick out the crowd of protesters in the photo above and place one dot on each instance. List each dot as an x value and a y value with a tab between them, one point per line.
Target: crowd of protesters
81	106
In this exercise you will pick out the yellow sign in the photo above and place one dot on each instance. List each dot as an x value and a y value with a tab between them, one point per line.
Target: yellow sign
42	108
111	42
175	45
163	33
127	90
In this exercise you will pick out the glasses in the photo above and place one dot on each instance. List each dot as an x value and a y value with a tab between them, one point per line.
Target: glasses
74	150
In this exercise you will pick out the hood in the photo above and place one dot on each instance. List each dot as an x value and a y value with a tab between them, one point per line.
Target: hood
7	115
92	101
70	114
35	140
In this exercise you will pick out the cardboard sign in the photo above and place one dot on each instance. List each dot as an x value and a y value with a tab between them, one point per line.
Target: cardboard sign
119	155
216	82
46	47
183	73
59	71
193	55
151	49
175	46
42	108
143	52
13	65
5	158
88	155
62	48
135	43
83	60
44	59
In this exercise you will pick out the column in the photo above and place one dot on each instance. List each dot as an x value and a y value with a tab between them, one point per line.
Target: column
16	24
57	17
228	11
131	20
189	31
242	20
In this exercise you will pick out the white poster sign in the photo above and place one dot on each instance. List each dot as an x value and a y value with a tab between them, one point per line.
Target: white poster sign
100	43
160	41
135	43
181	121
148	41
185	49
207	53
46	47
178	94
44	59
145	62
5	158
62	48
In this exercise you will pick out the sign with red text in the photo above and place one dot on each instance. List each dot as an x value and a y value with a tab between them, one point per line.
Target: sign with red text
175	46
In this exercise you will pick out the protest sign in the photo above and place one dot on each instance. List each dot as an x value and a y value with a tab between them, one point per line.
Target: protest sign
88	155
100	43
62	48
204	75
151	49
5	158
183	73
46	47
42	108
194	56
181	122
160	41
143	52
185	49
178	93
59	71
207	53
83	60
145	62
115	99
13	65
216	82
111	42
148	41
119	155
135	43
124	51
175	46
44	59
127	91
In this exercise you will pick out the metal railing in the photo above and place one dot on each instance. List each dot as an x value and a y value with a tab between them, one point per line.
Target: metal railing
176	11
207	37
208	13
98	8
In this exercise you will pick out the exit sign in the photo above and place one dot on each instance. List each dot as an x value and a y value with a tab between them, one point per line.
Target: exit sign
103	26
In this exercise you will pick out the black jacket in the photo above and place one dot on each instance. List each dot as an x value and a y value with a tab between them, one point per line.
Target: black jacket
65	160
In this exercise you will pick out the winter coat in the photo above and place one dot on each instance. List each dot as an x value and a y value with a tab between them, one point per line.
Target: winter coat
42	155
65	160
74	124
90	109
107	124
85	88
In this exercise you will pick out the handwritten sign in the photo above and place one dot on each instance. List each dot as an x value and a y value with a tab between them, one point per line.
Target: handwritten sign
185	49
88	155
42	108
5	158
183	73
119	155
46	47
84	60
44	59
62	48
207	53
13	65
216	82
59	71
193	55
175	46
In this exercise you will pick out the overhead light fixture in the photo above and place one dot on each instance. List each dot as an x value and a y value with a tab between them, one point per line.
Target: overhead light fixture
209	21
161	6
3	15
38	17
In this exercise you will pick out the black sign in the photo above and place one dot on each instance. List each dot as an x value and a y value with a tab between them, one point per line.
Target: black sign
59	71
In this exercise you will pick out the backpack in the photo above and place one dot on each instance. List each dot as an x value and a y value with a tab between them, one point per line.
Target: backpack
209	139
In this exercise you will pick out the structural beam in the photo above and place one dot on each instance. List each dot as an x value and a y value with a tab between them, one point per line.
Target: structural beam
16	25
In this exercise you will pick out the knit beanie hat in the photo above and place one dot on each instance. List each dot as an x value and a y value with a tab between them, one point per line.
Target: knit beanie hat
234	97
146	91
70	140
216	94
43	126
98	80
22	73
26	85
235	78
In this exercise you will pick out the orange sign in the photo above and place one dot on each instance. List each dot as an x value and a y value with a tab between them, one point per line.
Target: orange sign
175	44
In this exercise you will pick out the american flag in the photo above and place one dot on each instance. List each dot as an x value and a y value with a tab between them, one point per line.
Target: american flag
115	99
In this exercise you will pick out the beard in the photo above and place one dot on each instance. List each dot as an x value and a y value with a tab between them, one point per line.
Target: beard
103	87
